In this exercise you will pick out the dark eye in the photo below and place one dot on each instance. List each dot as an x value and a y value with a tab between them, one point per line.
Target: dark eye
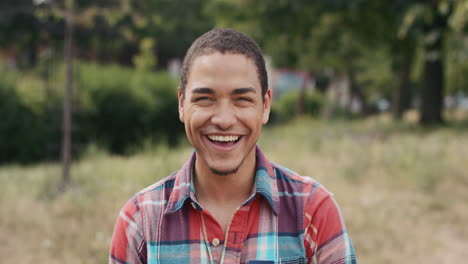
247	99
198	99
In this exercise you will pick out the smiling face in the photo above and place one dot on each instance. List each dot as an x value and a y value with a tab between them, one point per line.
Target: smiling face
223	111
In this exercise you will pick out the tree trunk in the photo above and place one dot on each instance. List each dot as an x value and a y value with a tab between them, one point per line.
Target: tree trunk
402	94
432	92
67	99
433	89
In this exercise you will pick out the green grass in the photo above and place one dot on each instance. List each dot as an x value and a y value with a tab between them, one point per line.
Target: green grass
402	190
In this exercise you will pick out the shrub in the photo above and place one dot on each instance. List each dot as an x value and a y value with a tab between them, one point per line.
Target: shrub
22	130
114	107
123	107
284	108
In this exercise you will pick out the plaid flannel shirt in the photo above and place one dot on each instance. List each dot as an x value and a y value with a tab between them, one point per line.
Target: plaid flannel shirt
287	219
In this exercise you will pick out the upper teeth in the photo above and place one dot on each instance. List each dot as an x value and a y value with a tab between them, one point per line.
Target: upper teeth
223	138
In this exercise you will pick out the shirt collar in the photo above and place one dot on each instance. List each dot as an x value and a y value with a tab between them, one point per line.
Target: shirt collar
265	185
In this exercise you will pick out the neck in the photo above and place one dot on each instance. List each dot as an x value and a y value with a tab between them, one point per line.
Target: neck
232	189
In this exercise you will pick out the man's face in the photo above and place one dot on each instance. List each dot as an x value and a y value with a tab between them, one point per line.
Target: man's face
223	111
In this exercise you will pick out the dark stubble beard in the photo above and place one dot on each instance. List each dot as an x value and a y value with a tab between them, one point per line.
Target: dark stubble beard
233	171
229	172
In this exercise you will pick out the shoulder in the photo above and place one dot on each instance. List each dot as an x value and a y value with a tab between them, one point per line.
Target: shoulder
156	194
289	181
325	235
131	229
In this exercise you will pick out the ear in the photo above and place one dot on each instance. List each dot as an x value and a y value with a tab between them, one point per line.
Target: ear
266	106
181	96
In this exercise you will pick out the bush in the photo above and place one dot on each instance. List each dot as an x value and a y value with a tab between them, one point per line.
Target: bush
284	108
123	108
115	107
22	130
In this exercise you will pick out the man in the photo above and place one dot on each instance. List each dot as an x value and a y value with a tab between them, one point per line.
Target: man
228	203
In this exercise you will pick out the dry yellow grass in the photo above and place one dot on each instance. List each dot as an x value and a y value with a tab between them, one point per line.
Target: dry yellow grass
403	192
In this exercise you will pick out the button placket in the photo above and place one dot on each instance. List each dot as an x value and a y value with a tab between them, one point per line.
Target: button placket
211	239
237	228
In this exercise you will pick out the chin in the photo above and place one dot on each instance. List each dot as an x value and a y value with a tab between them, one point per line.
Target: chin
224	172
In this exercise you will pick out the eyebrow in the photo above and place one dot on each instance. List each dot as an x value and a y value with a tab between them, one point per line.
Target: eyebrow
244	90
206	90
203	90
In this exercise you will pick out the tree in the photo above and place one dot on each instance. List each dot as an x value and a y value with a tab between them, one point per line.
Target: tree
435	30
313	36
174	24
67	99
20	30
433	18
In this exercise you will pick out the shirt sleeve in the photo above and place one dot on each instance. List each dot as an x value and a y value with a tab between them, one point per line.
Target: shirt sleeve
326	239
128	245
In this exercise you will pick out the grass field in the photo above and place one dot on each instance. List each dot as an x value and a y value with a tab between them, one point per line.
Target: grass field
403	191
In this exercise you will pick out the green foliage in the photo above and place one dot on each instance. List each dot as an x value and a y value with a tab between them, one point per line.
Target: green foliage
22	128
459	19
284	109
145	60
127	107
116	108
175	24
457	65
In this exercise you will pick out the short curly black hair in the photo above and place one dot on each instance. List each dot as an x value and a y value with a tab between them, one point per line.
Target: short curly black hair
224	40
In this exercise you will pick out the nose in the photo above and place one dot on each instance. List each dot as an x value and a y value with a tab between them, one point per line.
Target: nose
224	116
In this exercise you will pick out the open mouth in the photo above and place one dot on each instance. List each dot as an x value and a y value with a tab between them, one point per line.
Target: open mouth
224	140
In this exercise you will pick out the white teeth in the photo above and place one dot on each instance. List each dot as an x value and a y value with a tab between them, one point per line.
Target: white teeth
223	138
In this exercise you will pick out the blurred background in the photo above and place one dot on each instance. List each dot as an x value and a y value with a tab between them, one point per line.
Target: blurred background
370	99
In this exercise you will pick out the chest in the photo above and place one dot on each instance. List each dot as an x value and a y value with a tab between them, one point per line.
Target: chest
253	233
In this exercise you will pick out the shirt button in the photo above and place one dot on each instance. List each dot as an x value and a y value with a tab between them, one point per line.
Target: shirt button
215	242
